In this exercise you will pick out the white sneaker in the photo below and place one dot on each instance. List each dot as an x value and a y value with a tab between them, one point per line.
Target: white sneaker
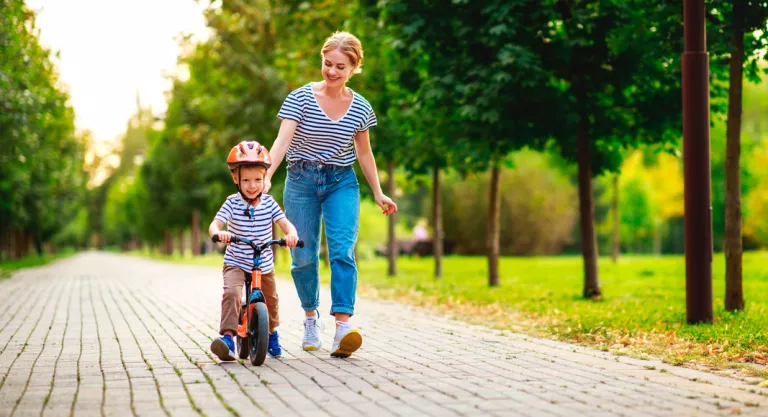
311	339
347	340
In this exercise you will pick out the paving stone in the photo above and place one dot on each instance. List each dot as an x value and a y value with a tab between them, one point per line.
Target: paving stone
125	335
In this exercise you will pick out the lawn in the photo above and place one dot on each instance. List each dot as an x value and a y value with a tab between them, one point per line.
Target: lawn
642	310
6	267
641	313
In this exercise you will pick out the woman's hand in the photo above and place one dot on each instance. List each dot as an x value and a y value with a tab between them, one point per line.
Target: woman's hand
267	185
387	205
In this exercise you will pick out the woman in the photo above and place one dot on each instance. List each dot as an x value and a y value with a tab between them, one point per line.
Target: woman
324	129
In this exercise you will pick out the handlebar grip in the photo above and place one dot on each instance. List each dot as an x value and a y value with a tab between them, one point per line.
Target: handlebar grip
299	244
215	239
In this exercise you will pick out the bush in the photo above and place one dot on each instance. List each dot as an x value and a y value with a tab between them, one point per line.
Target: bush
539	208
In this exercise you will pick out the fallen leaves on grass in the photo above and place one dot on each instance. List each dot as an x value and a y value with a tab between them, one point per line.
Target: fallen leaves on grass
663	344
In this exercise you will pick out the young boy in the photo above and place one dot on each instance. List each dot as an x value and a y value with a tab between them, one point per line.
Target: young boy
249	214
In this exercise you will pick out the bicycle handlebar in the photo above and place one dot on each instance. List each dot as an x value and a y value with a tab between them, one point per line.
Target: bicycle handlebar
238	239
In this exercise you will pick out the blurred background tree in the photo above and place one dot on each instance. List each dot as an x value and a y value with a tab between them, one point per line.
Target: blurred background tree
482	106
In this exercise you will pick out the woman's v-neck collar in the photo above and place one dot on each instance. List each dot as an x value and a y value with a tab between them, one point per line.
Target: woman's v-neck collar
314	98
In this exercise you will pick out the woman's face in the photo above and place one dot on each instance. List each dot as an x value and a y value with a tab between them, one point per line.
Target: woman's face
336	68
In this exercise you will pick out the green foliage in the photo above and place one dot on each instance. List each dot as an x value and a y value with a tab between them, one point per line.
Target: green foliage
749	18
454	85
618	65
75	233
636	213
538	213
41	176
471	66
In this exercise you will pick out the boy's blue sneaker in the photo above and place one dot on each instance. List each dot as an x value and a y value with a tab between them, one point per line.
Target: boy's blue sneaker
273	348
224	348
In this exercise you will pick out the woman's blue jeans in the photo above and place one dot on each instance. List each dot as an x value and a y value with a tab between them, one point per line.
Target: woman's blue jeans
315	191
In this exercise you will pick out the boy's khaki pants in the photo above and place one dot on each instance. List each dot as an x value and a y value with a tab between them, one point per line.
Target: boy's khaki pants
234	279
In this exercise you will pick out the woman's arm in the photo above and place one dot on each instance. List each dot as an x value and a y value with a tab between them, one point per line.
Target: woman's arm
368	165
279	148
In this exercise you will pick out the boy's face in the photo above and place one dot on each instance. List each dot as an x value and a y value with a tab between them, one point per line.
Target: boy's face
251	180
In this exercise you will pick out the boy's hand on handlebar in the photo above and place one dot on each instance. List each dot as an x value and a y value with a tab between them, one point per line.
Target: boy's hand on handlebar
225	237
291	240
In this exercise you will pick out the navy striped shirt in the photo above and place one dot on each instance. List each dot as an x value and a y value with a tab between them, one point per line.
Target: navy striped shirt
318	137
255	226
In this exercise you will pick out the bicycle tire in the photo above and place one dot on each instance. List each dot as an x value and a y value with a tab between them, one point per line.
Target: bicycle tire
259	326
243	346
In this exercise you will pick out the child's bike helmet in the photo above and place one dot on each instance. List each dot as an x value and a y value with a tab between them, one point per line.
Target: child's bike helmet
247	153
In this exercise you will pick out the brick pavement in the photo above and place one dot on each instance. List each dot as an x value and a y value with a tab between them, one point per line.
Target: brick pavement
108	335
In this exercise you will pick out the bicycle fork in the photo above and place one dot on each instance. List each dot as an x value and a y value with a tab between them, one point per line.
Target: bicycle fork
253	295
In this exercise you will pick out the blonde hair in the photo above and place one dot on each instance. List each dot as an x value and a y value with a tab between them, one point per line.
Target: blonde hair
349	45
260	167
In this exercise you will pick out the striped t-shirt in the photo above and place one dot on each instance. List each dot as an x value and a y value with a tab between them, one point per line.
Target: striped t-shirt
317	137
255	225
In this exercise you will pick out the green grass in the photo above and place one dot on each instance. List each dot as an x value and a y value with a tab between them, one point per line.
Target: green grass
7	267
642	311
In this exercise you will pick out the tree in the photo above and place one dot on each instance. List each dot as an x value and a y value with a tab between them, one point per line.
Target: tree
619	75
475	67
379	83
420	127
41	176
741	26
232	93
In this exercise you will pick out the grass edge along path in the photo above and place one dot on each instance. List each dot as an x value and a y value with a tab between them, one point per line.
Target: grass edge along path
7	267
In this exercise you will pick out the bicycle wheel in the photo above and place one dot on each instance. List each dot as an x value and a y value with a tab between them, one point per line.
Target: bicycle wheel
259	326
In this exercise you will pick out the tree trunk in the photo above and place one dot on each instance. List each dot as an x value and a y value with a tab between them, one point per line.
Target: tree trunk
587	215
392	248
196	232
494	209
734	298
5	246
168	244
437	219
657	238
18	244
181	242
27	239
38	240
616	220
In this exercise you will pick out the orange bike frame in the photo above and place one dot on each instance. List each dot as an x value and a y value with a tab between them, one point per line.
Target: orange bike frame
242	329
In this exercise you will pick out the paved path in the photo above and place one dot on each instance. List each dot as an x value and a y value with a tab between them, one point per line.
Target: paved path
107	335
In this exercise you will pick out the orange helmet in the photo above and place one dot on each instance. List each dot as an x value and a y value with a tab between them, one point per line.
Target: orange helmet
248	153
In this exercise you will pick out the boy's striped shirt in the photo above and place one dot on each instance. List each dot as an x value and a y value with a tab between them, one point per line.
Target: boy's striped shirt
254	224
